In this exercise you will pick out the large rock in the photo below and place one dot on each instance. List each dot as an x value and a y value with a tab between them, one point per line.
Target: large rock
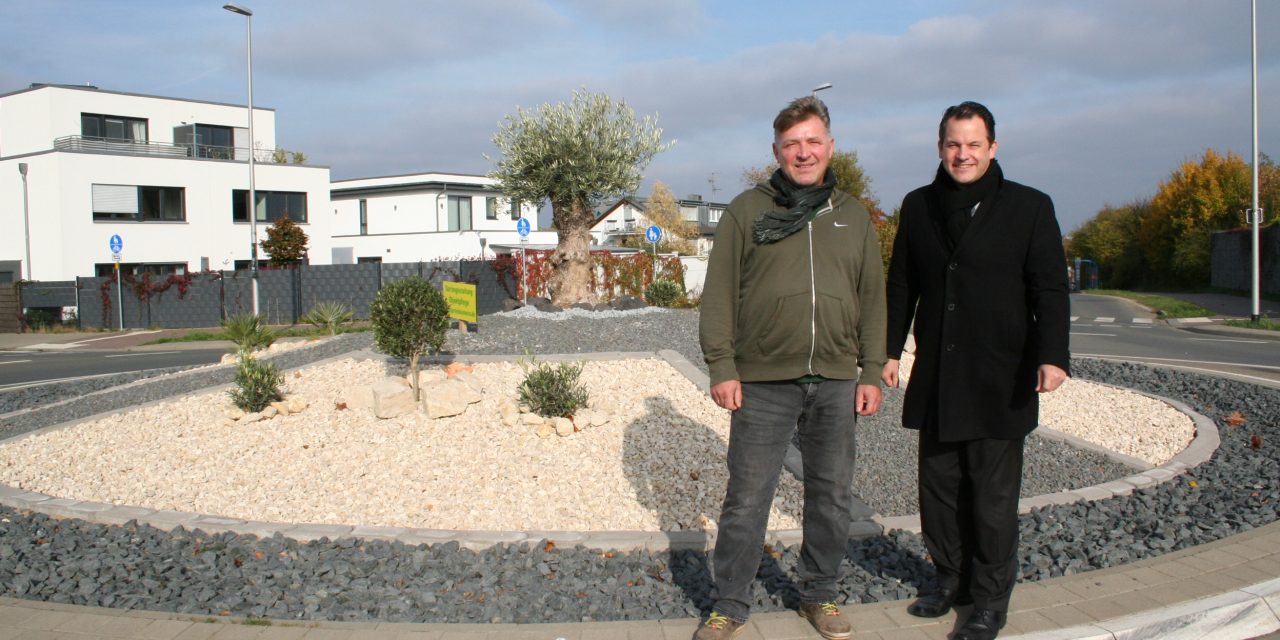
439	406
427	377
511	304
454	389
627	303
545	305
359	397
392	398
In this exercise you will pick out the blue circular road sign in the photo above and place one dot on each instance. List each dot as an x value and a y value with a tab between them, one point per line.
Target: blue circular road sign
116	243
523	227
653	233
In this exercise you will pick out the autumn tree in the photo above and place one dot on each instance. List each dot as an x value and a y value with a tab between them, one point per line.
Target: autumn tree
850	178
662	209
574	155
286	242
1111	240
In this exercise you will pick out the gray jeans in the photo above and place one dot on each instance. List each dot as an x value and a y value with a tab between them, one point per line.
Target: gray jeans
759	433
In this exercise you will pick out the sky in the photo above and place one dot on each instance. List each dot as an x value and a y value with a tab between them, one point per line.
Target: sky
1096	101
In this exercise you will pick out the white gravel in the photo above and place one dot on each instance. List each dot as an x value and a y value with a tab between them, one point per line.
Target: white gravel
658	465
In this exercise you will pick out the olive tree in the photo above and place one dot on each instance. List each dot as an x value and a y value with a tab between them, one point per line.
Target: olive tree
410	318
574	155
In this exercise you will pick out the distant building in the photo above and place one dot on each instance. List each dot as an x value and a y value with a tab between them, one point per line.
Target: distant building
625	217
168	175
424	217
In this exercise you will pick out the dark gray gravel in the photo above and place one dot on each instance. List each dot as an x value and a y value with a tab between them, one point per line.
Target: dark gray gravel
135	566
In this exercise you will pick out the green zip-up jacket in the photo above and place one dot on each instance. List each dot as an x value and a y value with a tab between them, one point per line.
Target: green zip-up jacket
812	303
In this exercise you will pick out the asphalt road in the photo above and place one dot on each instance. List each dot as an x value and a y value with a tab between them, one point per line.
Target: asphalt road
1118	329
26	368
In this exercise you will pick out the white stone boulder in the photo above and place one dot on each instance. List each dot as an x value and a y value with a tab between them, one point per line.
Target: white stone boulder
392	397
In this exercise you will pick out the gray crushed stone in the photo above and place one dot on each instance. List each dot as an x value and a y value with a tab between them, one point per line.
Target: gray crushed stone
140	567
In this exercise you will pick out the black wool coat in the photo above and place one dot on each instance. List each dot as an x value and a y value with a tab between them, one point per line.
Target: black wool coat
987	314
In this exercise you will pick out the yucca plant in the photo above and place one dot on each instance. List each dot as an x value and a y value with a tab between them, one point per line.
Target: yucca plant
257	384
248	331
330	316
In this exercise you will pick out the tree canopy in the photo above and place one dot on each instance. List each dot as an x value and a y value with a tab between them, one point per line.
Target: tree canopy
286	242
850	178
574	155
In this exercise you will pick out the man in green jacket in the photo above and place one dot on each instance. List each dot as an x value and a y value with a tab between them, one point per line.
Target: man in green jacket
793	331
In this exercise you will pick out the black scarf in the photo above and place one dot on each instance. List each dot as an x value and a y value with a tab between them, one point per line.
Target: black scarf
772	226
959	200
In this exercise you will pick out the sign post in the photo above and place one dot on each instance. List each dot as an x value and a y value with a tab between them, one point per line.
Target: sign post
653	234
523	228
116	244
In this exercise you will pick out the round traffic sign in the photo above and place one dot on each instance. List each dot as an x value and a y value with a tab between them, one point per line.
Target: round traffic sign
116	243
653	233
522	227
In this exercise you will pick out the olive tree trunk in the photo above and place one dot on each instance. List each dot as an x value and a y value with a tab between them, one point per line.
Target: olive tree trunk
570	281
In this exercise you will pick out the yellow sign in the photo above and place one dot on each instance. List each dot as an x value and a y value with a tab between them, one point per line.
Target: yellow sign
462	300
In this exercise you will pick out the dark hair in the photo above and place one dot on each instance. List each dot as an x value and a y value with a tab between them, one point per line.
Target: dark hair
964	111
799	110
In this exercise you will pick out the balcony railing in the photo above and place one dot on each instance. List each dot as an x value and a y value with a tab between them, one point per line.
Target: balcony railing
93	144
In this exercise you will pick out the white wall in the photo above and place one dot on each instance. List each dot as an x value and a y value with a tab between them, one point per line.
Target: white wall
447	245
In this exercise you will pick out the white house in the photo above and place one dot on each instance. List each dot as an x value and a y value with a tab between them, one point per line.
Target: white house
169	176
426	216
625	217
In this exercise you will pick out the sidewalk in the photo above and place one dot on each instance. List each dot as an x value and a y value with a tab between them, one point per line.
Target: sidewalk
1223	590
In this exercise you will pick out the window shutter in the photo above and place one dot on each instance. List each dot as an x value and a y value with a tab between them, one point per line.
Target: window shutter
115	198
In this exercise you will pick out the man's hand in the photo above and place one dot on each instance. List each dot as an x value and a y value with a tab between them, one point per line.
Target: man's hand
866	399
889	375
728	394
1049	377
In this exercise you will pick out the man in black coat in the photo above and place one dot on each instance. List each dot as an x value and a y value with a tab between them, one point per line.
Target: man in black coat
978	265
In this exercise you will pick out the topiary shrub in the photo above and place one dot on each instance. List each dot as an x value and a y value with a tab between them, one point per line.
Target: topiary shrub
248	331
553	391
663	293
257	384
329	316
409	318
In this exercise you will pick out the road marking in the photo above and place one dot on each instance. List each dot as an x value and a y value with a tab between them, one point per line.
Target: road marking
1143	358
134	355
131	333
14	361
49	346
1142	320
1229	340
1081	333
1104	319
1269	382
1193	320
1074	318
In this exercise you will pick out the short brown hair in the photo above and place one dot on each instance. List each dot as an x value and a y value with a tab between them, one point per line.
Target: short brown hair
799	110
964	111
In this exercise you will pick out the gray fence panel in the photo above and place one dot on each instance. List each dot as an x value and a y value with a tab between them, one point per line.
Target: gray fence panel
489	292
200	306
1232	259
278	296
52	293
237	292
354	285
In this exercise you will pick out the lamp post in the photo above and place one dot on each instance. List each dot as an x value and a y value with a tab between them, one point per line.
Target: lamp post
821	87
1255	214
253	208
26	221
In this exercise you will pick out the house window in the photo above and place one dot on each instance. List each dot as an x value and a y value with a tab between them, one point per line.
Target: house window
364	217
490	208
459	213
139	203
369	260
136	269
272	205
515	209
120	128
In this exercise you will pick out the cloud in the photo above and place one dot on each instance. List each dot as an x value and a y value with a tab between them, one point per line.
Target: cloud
667	18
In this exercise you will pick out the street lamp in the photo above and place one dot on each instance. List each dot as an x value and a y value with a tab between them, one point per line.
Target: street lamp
825	85
26	221
253	209
1255	214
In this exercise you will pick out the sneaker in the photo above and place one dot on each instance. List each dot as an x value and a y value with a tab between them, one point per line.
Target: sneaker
718	627
825	617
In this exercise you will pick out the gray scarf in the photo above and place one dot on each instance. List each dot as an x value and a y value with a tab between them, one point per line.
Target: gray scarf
800	202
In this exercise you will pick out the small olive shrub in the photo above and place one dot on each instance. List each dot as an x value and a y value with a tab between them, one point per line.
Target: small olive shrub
248	331
553	391
329	316
410	318
663	293
257	384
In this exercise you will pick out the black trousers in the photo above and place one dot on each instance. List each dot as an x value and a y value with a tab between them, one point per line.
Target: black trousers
969	514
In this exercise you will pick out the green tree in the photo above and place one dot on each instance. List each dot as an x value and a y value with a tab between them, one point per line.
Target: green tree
286	242
1197	199
574	155
1111	240
409	320
850	178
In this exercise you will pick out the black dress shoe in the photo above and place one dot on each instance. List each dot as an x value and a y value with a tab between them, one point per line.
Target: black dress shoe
983	624
937	603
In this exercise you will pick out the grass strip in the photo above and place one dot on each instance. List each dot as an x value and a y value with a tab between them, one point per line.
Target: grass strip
1163	305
